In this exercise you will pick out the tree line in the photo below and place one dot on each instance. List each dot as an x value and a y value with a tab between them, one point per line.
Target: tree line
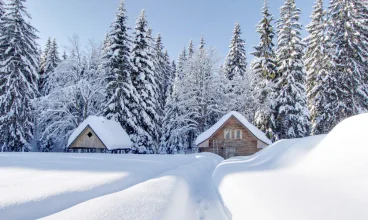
292	88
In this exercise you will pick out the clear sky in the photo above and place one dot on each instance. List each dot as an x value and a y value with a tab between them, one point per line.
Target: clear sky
178	21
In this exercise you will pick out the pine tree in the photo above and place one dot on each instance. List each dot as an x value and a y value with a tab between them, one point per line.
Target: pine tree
44	55
183	57
64	56
202	45
348	35
290	112
264	69
51	62
322	97
236	60
18	77
122	97
162	74
190	49
144	80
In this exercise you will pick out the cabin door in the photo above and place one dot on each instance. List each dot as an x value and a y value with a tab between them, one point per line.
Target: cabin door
230	152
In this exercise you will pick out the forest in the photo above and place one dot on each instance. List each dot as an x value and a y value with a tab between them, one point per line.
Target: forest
293	87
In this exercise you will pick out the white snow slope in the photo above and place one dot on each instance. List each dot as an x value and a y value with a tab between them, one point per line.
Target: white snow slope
319	178
105	186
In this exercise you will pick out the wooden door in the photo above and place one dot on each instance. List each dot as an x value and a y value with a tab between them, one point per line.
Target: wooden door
230	152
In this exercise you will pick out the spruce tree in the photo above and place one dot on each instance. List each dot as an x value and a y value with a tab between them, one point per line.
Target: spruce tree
236	60
190	49
162	74
348	35
51	62
44	55
18	77
290	112
264	69
322	99
122	101
183	57
144	80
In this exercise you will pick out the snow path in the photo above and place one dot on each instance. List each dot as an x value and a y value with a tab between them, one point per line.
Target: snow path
182	193
99	186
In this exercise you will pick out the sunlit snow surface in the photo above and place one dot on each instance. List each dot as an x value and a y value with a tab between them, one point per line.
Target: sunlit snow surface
105	186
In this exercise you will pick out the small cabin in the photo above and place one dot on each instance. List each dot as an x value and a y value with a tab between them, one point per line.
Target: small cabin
98	134
232	136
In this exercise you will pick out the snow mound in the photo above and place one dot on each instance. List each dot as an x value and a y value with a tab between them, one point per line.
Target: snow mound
253	129
344	150
319	177
110	133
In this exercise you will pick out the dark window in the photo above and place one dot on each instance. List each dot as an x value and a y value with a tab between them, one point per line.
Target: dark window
90	134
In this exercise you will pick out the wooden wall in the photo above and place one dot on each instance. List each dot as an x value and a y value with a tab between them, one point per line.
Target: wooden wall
83	141
243	147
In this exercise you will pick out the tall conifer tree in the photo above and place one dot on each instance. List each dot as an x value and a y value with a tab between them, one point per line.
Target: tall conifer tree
144	80
264	69
18	76
122	98
236	60
290	112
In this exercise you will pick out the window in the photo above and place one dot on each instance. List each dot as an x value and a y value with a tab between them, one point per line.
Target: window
227	134
90	134
238	134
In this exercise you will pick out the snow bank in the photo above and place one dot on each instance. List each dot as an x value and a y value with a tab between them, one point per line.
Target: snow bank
34	185
110	133
322	177
175	194
258	133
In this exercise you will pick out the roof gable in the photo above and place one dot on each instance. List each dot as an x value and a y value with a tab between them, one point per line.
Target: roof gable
110	133
211	131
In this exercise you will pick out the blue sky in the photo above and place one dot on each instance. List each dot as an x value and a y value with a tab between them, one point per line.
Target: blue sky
178	21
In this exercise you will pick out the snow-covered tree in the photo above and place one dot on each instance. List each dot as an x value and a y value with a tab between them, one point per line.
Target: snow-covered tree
182	59
264	69
190	49
163	74
322	98
50	62
290	116
348	36
123	101
176	124
18	77
77	91
44	54
144	80
236	60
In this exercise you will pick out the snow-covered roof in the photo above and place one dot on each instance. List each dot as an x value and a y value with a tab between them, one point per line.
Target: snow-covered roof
112	135
253	129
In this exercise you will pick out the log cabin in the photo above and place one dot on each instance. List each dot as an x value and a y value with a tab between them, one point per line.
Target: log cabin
98	134
232	136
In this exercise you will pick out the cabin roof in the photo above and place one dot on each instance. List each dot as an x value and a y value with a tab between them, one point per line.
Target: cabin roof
212	130
111	134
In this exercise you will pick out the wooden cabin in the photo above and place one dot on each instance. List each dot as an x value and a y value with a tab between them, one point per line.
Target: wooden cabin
232	136
97	134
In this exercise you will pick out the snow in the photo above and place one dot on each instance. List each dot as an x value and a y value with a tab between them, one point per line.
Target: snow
319	177
258	133
106	186
110	133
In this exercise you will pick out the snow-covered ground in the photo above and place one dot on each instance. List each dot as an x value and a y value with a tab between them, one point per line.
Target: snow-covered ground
320	177
105	186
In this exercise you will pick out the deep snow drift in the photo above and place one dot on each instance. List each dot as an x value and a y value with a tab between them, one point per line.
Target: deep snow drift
105	186
320	177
